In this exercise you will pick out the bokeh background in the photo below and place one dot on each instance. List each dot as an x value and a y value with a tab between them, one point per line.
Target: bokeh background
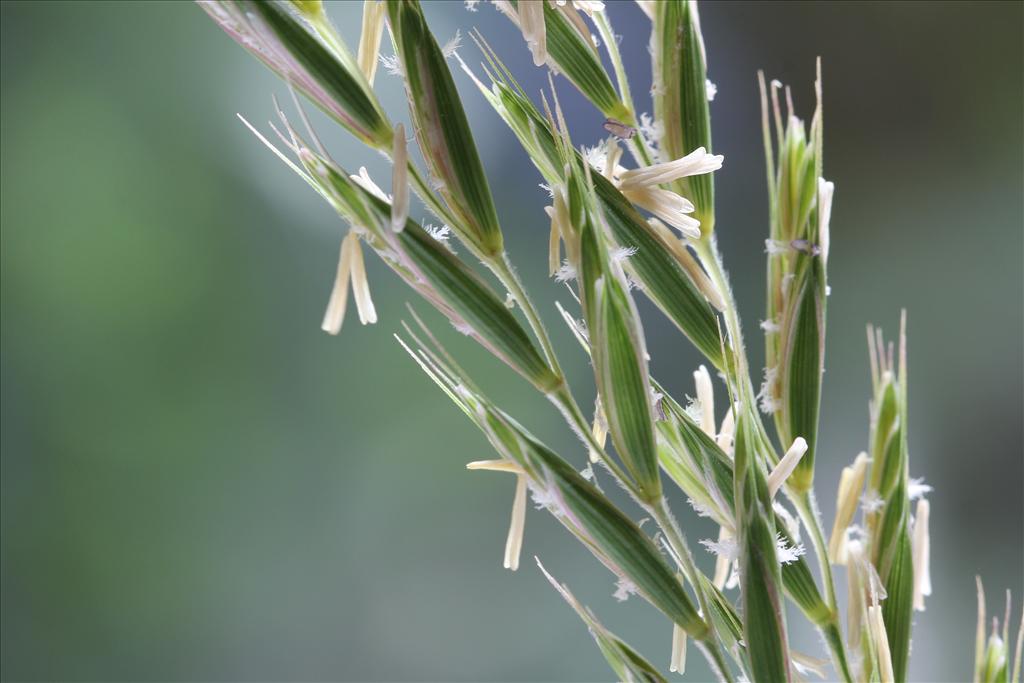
198	484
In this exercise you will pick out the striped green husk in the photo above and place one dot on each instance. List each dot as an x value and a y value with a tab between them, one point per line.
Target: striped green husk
608	531
620	363
461	290
351	102
443	131
663	279
580	63
680	98
803	363
710	464
764	621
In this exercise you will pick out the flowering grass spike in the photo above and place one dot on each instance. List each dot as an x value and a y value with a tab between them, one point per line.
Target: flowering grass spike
632	214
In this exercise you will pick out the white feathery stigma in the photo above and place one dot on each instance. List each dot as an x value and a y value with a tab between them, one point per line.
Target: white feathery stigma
786	553
453	45
725	546
766	395
391	64
916	488
623	589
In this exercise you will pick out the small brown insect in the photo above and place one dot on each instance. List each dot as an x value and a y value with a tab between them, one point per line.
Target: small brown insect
619	129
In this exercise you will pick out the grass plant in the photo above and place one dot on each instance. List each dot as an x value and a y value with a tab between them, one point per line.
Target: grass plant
633	216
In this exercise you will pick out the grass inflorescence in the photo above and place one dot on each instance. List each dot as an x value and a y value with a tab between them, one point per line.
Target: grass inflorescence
632	216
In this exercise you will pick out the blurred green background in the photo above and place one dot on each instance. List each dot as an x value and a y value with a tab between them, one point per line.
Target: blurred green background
198	484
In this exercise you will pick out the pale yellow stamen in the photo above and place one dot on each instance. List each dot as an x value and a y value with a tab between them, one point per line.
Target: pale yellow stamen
399	181
979	644
856	587
647	7
678	663
786	465
722	563
922	555
531	23
560	230
851	481
335	314
599	431
825	191
881	642
706	398
514	542
611	158
686	261
696	162
363	180
807	664
554	243
571	12
360	287
668	206
369	39
588	6
726	432
495	466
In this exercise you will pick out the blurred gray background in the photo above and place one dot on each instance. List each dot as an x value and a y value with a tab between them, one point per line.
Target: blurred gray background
198	484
